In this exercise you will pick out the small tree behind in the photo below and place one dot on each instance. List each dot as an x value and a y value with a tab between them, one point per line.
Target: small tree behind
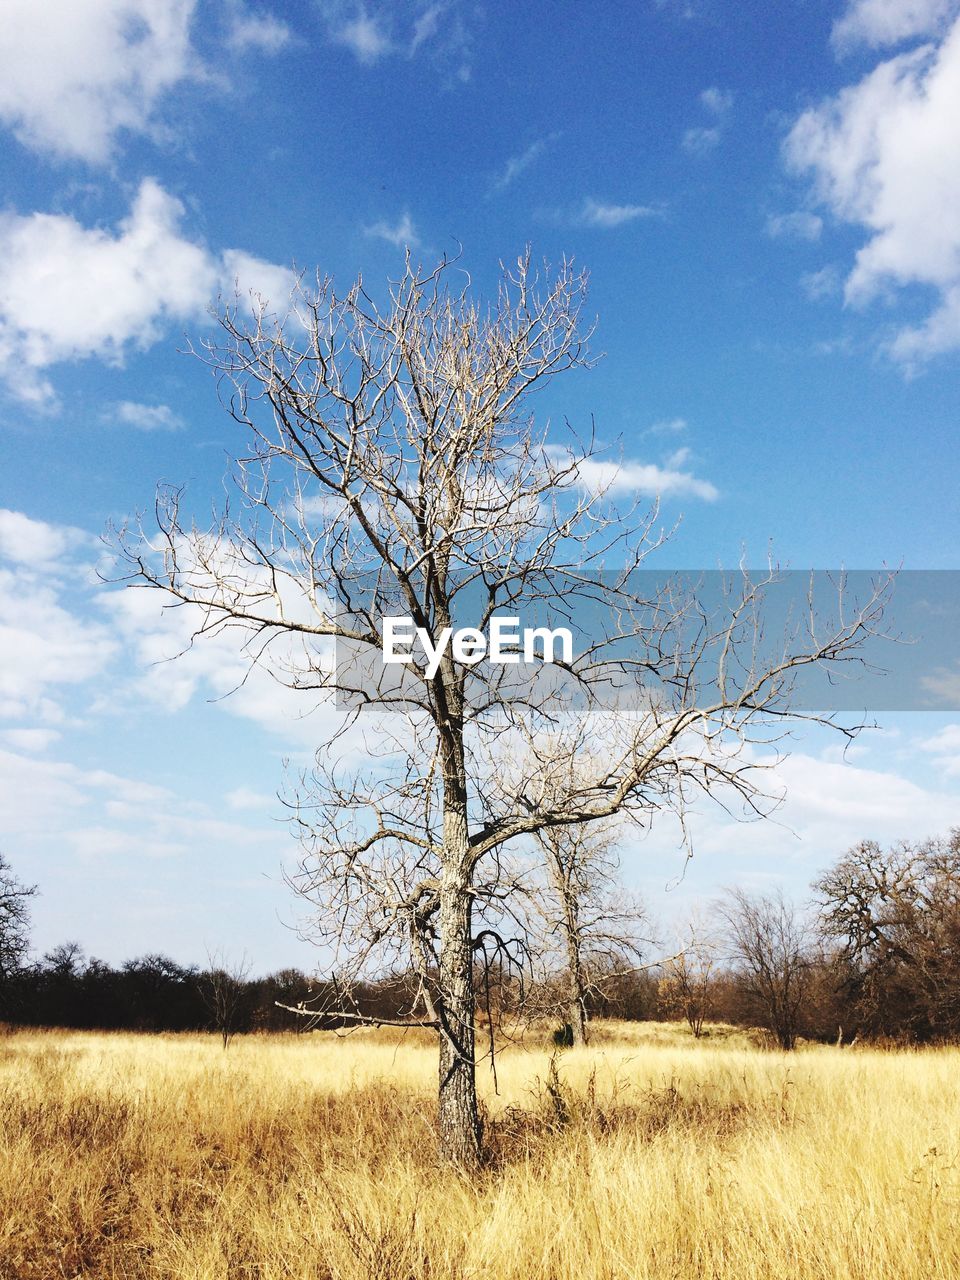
686	986
223	985
769	942
583	922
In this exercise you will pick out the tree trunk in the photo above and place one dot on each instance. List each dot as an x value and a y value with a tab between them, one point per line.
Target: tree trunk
459	1119
577	996
458	1114
577	1017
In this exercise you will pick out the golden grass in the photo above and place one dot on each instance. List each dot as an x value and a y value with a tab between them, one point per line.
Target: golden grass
163	1156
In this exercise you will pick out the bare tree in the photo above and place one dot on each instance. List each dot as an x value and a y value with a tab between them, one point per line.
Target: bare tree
393	469
688	977
14	922
896	915
583	925
222	985
770	944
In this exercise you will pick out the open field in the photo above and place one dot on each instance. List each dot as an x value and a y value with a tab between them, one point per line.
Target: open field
163	1156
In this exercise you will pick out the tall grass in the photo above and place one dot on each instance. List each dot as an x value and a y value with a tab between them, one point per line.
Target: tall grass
645	1155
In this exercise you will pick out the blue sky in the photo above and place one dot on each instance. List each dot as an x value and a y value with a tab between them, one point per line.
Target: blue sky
768	201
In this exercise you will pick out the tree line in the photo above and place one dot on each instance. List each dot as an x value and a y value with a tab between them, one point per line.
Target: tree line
873	955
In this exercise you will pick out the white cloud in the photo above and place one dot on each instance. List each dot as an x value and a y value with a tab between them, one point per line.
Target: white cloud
799	224
718	101
97	813
245	800
46	644
364	37
68	292
640	479
944	685
822	283
883	156
30	739
75	73
402	234
263	31
645	479
35	543
42	644
426	26
523	160
944	747
146	417
667	427
698	141
945	740
596	213
828	805
246	276
379	29
878	23
171	671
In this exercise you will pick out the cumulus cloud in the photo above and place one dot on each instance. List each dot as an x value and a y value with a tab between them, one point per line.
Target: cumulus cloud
75	73
944	747
880	23
245	799
631	478
882	156
35	543
246	276
647	479
943	685
44	645
68	292
170	670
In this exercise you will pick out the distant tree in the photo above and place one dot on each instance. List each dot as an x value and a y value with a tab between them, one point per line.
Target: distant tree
14	928
895	914
154	993
687	984
223	984
769	943
273	996
14	919
582	922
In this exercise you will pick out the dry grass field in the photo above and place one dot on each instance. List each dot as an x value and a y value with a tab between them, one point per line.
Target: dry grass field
648	1155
